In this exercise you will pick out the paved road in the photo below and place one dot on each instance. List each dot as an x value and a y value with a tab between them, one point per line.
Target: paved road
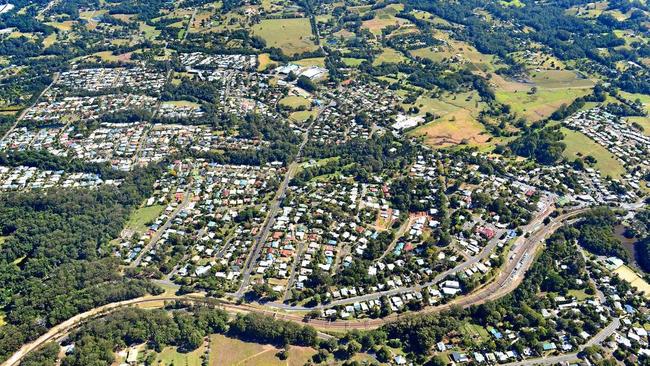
156	236
597	339
261	237
495	290
24	111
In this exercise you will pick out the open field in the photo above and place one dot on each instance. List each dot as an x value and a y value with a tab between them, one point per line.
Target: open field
352	62
389	55
541	104
182	103
140	217
385	17
294	102
476	331
560	79
315	61
263	61
643	121
226	351
170	356
291	35
627	274
458	127
302	116
577	144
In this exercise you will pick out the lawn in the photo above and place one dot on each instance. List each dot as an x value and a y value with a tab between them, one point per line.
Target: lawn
291	35
171	357
143	215
389	55
476	331
579	294
294	102
579	144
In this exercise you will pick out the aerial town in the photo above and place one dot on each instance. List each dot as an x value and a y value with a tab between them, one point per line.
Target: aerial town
324	183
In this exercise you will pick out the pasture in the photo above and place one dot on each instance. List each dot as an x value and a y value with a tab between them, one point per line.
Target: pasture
291	35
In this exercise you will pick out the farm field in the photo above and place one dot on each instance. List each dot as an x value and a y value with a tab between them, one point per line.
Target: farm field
577	144
385	17
139	219
291	35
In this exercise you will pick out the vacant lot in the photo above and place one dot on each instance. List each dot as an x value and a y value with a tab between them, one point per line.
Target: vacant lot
139	219
226	351
578	144
171	357
627	274
291	35
455	128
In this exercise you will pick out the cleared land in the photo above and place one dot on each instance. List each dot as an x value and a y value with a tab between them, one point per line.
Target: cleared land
540	104
389	55
170	356
139	219
627	274
578	144
226	351
291	35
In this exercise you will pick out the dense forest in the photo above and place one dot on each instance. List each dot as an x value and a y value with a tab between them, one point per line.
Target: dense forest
54	263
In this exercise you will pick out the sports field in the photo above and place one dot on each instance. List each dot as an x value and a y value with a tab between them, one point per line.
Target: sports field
294	102
578	144
291	35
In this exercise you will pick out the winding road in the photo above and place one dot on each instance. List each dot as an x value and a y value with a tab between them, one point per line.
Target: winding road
506	281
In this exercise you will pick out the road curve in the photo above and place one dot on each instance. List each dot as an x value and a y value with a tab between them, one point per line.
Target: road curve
507	281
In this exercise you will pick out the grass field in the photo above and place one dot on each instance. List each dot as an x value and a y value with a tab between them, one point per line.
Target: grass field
627	274
579	294
302	116
139	219
579	144
476	331
560	79
389	55
171	357
315	61
385	17
294	102
183	103
541	104
291	35
263	61
226	351
352	62
458	127
643	121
